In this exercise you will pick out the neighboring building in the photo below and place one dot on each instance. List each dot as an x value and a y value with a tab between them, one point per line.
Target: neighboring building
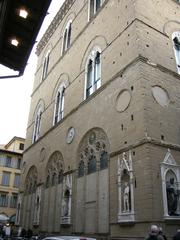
102	153
10	169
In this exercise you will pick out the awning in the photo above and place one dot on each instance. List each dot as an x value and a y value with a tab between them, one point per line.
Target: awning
3	218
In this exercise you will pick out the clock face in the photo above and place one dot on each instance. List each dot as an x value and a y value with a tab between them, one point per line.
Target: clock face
70	135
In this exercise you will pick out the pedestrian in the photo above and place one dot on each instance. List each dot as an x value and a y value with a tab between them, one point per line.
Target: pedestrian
154	234
161	233
177	235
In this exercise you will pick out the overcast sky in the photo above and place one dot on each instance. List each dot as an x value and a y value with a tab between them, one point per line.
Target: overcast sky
15	92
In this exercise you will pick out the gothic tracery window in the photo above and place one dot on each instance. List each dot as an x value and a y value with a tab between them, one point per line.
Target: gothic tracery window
31	181
81	169
104	160
93	153
92	164
54	170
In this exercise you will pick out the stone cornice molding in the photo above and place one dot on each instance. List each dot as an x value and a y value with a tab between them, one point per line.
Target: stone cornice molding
54	24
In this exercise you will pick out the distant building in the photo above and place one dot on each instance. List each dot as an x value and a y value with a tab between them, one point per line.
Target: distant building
10	169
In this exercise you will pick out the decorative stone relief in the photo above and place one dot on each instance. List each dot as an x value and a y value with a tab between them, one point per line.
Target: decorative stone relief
123	100
66	200
42	155
125	189
161	96
37	206
70	135
170	174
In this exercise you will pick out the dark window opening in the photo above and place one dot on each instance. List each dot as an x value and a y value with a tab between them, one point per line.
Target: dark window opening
103	160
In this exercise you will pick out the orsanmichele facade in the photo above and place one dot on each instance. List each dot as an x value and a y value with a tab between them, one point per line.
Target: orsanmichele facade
102	151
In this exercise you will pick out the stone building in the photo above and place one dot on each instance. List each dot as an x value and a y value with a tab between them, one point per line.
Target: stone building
10	170
102	153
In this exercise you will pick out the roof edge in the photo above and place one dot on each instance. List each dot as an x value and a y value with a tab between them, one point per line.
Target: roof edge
53	25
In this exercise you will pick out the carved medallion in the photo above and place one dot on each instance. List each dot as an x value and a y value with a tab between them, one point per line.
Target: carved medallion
161	96
70	135
123	100
42	155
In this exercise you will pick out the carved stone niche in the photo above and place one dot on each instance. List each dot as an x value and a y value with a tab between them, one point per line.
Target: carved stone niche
125	189
37	206
66	200
170	175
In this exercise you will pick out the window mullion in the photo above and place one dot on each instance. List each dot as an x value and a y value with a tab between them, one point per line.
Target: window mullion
94	6
93	75
59	106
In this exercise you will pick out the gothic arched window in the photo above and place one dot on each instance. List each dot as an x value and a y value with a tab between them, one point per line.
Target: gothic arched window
94	5
59	105
45	66
54	169
93	153
31	180
37	125
93	72
67	37
176	46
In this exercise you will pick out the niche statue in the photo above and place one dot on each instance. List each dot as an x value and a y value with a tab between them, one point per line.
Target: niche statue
172	197
126	198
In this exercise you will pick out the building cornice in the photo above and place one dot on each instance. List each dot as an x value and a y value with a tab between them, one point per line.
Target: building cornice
13	140
53	26
10	152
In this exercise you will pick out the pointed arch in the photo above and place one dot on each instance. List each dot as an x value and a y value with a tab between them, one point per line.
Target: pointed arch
31	180
93	151
54	170
37	120
93	72
98	40
59	97
93	181
66	40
